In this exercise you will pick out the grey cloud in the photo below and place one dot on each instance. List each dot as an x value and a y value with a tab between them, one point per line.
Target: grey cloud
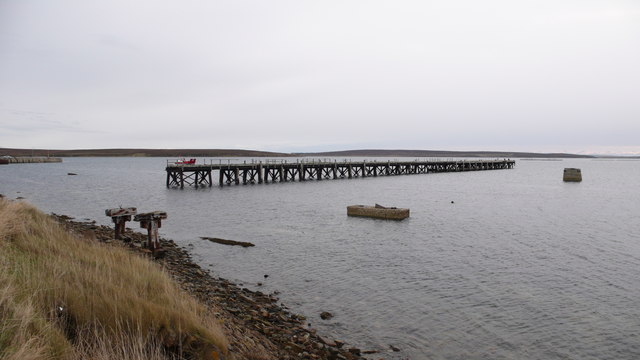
255	74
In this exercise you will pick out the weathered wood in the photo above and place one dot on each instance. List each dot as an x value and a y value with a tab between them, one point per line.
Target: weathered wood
153	215
121	211
151	221
228	242
120	216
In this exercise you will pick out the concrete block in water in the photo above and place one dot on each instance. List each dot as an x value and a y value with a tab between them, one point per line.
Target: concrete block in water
378	212
572	174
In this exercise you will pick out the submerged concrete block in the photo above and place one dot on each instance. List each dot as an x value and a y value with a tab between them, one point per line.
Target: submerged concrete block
378	212
572	174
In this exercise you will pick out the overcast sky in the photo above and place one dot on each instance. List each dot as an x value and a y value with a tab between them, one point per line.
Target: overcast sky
532	75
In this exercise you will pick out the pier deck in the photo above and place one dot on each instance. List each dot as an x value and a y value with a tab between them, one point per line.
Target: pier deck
179	175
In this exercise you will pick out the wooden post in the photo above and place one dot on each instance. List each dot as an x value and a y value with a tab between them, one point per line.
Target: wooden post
151	221
120	216
181	179
221	177
237	173
260	173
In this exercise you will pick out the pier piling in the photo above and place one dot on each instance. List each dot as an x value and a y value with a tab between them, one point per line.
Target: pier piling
151	221
120	216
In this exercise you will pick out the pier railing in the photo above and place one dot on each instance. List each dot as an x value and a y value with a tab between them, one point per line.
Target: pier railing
235	162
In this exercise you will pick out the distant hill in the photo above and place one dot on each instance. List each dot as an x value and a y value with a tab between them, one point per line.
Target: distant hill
442	153
141	153
256	153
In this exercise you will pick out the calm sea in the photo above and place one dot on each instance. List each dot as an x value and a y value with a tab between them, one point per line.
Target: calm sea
504	264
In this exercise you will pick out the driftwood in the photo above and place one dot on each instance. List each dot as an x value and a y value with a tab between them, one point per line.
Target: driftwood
227	242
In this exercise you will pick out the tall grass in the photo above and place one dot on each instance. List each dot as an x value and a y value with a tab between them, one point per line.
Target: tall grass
62	297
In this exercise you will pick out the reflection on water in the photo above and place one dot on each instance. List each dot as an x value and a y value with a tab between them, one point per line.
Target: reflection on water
519	266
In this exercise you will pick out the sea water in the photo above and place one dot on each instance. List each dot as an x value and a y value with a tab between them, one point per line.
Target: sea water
500	264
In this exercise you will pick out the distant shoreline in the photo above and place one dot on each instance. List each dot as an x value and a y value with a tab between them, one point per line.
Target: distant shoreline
178	153
175	153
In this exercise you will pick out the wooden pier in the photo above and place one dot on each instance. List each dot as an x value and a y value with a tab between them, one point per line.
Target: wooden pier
179	175
28	160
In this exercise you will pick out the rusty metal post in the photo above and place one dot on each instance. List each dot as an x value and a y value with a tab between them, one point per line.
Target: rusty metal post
120	216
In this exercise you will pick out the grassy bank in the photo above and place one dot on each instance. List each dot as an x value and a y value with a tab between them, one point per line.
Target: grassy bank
62	297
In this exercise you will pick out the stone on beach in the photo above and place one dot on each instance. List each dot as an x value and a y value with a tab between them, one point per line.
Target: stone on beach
325	315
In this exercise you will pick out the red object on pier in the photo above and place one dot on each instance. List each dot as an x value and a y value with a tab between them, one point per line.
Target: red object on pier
186	162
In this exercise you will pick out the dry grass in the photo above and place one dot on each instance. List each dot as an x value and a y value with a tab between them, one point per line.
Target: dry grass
62	297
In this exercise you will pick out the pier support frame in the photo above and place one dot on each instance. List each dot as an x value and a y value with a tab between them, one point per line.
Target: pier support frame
120	216
193	175
151	221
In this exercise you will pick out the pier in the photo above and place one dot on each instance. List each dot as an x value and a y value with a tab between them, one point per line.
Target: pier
28	159
181	174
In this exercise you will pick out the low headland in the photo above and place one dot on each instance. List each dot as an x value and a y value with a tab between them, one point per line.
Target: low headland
69	290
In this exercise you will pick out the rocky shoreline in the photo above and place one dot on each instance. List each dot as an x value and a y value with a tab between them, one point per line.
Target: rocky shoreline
256	325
